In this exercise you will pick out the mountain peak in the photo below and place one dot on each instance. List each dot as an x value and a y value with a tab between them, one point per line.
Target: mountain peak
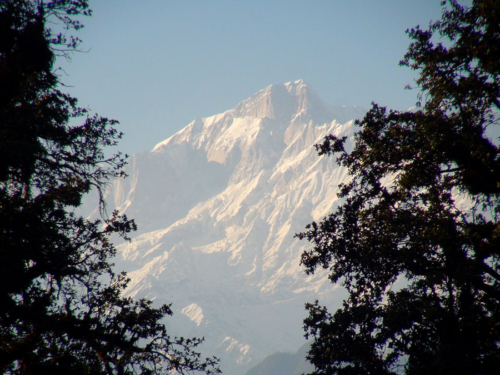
294	84
293	102
218	204
282	101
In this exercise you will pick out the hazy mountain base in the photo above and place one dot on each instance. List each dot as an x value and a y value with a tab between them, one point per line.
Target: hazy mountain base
284	364
218	205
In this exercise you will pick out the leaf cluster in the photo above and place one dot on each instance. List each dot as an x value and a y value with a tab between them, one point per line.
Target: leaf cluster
61	304
417	241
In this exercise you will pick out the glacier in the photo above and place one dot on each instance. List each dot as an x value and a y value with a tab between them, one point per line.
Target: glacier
217	206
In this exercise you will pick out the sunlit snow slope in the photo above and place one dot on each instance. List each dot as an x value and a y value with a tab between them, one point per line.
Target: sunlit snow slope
218	205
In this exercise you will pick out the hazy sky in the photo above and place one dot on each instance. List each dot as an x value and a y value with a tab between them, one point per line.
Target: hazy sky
155	65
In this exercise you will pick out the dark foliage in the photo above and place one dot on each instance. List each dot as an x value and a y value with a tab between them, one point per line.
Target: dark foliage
421	209
61	308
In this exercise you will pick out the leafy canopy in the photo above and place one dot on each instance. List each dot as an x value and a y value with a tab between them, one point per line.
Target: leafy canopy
61	304
416	242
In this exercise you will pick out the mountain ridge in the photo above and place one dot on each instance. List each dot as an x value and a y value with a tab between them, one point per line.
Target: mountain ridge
218	205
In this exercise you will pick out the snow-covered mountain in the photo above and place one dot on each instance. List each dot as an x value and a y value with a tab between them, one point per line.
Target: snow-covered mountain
218	205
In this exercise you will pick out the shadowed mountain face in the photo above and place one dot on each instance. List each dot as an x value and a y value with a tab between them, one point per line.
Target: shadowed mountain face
284	364
218	205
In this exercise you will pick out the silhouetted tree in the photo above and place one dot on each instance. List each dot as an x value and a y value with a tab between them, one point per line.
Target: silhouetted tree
61	308
416	241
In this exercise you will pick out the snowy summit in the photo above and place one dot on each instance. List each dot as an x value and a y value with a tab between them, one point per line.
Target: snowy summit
217	206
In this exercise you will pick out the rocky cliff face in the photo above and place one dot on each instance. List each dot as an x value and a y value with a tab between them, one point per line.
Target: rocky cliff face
218	205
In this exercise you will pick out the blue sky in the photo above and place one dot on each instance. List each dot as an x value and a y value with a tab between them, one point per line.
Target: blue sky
155	65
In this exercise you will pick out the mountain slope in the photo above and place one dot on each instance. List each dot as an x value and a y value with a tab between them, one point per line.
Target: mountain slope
284	364
218	205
